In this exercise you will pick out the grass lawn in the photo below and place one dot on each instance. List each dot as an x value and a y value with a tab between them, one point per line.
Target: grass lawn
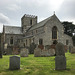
37	66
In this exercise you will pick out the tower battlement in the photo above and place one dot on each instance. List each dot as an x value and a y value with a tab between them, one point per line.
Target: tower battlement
27	21
29	16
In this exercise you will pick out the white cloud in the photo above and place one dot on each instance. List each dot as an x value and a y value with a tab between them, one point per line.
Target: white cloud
4	19
55	4
13	7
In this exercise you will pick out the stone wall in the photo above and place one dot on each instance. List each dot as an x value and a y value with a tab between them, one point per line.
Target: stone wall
65	38
45	33
10	47
15	39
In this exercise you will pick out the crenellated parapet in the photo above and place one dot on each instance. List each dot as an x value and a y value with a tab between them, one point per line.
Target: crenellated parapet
29	16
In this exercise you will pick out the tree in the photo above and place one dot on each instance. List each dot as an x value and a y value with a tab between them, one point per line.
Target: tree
73	38
68	27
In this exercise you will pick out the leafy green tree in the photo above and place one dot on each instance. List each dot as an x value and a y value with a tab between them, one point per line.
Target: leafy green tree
68	27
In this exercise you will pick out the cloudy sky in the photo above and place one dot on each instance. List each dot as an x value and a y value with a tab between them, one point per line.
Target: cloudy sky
11	11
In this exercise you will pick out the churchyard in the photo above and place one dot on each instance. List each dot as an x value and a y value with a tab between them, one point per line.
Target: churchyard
37	65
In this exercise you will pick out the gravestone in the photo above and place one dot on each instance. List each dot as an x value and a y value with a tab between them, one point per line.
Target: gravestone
66	48
16	50
32	47
60	49
47	47
0	53
14	63
0	48
70	48
73	50
24	52
51	52
37	52
60	59
60	62
45	53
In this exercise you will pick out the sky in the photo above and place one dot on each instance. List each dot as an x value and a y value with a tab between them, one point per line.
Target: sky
11	11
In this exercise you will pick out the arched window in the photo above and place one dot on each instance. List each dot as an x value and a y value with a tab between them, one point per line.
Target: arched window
11	40
54	32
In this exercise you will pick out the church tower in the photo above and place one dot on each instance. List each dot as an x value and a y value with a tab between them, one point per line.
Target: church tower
27	21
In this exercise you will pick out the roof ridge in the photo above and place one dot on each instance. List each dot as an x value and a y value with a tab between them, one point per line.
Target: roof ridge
12	26
40	23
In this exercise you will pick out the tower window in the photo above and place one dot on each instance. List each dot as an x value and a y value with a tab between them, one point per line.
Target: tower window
30	22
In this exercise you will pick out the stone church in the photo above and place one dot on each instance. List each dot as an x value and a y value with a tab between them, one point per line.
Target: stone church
44	32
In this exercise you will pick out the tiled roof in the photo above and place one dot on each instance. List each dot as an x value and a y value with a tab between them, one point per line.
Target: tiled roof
13	30
42	23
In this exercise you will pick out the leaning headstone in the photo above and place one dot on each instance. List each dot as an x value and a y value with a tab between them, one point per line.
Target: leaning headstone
51	52
24	52
37	52
60	59
14	63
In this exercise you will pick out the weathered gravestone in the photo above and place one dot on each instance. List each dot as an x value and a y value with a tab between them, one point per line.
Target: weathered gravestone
47	47
45	53
70	48
73	50
32	47
51	52
14	63
24	52
60	59
37	52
